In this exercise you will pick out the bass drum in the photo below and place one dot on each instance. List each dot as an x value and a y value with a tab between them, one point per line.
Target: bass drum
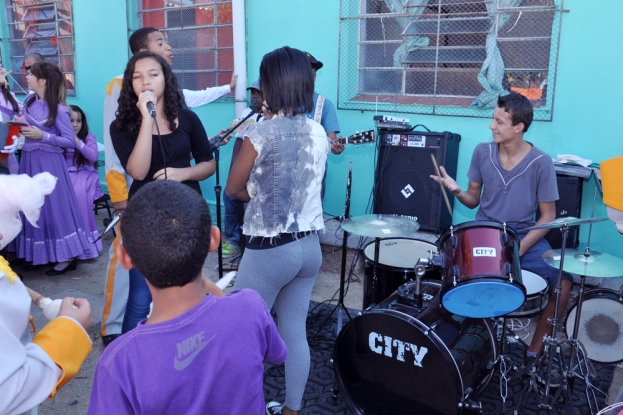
601	325
397	359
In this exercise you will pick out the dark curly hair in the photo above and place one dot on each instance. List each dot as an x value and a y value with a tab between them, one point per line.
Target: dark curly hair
128	115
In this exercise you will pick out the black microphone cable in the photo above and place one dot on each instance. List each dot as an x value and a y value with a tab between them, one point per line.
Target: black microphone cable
152	112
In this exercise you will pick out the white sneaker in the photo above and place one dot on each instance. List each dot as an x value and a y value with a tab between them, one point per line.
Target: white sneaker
273	408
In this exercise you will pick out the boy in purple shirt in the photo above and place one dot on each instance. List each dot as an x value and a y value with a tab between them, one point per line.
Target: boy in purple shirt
196	353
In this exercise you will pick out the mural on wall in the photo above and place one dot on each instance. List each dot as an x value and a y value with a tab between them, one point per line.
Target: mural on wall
44	27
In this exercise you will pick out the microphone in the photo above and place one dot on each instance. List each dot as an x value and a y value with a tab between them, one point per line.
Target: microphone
152	109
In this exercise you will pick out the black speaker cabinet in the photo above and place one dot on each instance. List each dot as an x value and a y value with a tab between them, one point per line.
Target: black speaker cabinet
402	183
568	204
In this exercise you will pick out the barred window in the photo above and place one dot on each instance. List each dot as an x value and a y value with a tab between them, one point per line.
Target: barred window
200	33
447	57
45	27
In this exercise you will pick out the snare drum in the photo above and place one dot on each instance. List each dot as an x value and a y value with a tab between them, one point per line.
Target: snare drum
397	259
481	276
396	359
601	324
536	295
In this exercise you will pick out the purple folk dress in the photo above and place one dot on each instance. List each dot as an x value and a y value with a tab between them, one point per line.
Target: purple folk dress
86	184
60	235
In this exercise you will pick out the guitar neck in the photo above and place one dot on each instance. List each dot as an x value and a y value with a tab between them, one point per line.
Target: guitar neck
358	138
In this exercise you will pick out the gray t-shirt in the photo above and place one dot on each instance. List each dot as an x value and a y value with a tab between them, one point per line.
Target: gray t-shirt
512	196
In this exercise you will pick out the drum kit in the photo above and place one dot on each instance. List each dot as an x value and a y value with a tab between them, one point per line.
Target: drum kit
426	342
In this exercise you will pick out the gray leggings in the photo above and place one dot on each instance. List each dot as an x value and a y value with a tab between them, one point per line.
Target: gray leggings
285	276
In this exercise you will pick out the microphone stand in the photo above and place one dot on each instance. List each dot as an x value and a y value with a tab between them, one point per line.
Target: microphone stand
217	191
215	143
340	303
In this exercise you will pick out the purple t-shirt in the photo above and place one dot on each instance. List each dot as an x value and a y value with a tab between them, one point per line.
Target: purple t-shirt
206	361
512	196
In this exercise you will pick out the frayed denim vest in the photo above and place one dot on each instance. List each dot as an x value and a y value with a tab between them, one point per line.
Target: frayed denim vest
285	181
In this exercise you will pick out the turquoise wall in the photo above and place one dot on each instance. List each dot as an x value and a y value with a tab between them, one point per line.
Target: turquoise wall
586	119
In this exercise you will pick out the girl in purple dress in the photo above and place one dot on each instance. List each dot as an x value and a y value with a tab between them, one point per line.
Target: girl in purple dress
60	236
81	164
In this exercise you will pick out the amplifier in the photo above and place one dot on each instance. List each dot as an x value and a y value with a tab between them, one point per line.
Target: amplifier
568	204
402	184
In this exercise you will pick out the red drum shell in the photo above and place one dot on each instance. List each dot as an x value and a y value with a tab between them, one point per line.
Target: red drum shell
485	254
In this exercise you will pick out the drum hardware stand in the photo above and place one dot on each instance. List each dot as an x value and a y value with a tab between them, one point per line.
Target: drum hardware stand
503	361
577	349
417	302
375	265
551	347
340	303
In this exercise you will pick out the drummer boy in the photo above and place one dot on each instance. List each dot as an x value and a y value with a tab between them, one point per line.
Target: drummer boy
518	179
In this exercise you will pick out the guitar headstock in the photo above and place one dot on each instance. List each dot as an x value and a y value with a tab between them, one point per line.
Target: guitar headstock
360	138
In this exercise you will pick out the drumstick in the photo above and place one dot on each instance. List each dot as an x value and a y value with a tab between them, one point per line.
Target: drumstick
443	189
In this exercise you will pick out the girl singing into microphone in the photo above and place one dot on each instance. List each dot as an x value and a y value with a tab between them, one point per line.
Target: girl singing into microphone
157	148
148	147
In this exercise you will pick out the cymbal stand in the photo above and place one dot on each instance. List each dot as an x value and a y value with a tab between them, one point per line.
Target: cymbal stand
340	303
583	367
551	347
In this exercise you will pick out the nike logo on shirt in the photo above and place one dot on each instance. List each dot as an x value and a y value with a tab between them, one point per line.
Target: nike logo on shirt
194	344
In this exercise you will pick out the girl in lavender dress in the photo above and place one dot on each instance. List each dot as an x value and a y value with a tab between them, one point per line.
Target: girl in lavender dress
81	164
60	236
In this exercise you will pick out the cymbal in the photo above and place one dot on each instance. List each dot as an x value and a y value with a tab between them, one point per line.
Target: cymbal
569	221
380	226
598	264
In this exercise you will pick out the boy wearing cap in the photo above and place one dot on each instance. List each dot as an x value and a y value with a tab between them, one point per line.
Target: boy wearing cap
233	207
324	113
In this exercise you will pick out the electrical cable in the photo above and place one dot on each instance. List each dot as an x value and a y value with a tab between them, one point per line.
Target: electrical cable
164	161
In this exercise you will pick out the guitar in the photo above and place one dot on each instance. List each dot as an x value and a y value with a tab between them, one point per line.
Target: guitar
240	126
358	138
